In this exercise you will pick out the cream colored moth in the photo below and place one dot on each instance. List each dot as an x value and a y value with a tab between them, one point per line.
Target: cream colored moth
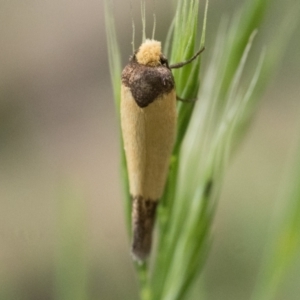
148	123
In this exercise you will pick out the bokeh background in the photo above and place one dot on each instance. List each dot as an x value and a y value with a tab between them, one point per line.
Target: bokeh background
61	212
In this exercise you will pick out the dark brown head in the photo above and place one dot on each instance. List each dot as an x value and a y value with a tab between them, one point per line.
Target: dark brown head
148	74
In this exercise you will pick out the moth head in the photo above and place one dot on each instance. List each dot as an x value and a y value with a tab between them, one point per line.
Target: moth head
149	53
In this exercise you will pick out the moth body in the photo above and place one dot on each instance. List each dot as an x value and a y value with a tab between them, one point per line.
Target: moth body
148	121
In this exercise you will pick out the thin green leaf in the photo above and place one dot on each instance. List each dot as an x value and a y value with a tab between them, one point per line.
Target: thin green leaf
114	56
285	245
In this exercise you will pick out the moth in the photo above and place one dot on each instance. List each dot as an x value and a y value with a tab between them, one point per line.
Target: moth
148	124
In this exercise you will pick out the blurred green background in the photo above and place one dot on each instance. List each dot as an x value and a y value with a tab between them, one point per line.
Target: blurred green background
62	227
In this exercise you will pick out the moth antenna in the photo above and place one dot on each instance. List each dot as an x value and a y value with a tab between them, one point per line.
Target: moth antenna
154	20
133	26
181	64
143	12
154	26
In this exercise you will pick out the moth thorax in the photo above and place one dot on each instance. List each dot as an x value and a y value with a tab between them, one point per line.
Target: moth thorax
149	53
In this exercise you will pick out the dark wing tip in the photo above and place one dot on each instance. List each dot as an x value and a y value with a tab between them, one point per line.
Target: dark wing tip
143	218
140	255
